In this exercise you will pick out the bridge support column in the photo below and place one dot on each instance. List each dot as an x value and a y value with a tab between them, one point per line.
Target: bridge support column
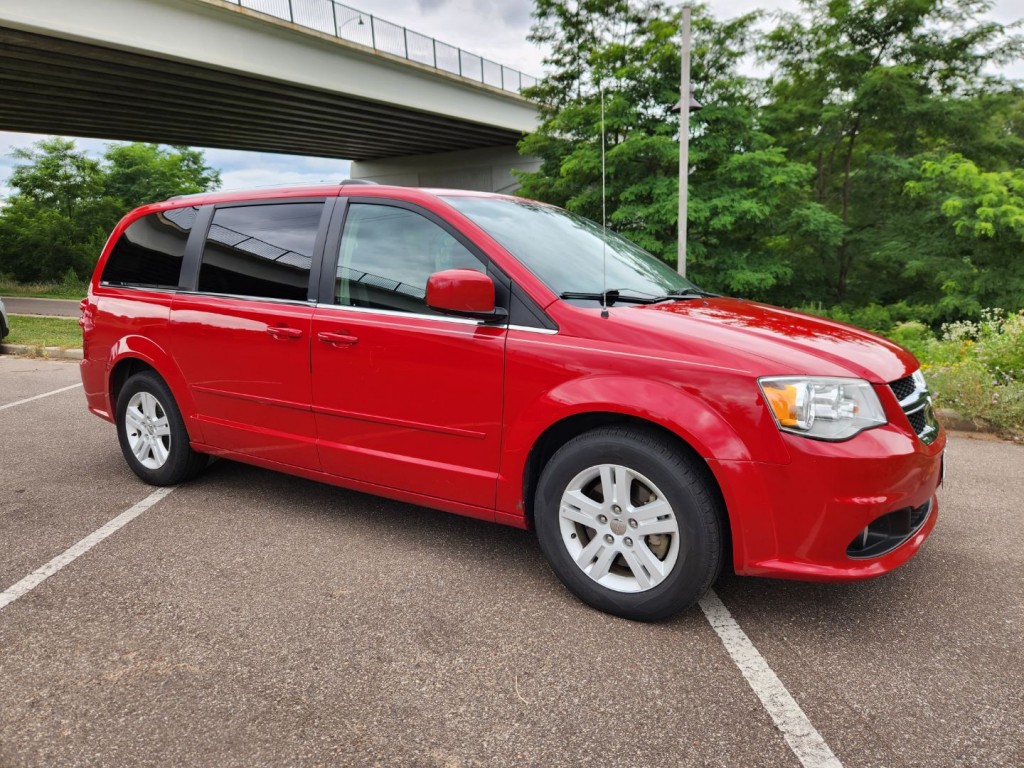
484	170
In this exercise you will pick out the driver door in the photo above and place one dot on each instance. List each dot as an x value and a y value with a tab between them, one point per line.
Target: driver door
404	397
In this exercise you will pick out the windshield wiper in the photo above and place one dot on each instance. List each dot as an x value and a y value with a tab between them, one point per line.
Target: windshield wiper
688	293
611	296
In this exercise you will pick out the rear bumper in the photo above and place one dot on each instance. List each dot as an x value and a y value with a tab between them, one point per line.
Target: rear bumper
94	382
806	519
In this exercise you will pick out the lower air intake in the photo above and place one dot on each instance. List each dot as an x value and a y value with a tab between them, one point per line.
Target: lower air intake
888	532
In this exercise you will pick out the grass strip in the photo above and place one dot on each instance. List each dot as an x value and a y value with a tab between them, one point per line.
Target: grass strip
34	331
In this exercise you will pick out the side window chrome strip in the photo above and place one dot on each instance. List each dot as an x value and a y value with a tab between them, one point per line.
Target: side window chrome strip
534	329
262	299
399	313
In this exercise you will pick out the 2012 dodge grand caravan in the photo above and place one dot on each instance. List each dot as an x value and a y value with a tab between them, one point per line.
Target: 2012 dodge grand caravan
504	359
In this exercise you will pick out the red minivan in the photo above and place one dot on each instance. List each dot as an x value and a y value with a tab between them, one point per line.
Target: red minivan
504	359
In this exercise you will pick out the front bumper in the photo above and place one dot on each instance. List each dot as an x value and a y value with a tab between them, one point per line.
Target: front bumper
807	519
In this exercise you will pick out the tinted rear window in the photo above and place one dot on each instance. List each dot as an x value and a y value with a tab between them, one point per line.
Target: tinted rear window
264	251
149	253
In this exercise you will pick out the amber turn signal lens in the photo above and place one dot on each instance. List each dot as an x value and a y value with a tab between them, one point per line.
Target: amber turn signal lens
783	403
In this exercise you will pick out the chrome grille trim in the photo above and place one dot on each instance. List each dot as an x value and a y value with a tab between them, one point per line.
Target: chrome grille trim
916	404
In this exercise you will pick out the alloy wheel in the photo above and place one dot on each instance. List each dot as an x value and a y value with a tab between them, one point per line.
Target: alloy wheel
148	430
619	528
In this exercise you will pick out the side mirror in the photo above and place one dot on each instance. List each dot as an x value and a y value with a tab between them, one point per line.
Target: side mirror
464	293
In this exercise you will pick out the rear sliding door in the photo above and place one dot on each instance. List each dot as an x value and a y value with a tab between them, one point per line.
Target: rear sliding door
242	336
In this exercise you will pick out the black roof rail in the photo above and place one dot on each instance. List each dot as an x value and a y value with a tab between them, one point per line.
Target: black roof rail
357	181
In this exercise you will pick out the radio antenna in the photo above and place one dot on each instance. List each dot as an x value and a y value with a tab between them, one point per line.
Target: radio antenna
604	218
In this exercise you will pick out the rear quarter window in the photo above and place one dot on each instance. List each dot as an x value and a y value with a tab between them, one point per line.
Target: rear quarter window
149	252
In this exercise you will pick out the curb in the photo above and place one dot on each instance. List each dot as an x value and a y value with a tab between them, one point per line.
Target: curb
953	421
50	353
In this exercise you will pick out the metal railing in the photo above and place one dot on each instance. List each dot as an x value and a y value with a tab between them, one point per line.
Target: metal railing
355	26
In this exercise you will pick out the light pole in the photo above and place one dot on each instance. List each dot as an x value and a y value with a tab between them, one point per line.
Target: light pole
349	21
686	105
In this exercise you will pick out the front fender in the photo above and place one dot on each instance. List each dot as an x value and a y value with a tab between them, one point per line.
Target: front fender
676	408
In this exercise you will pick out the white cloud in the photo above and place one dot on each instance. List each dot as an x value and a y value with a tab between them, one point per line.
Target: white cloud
494	29
262	175
240	170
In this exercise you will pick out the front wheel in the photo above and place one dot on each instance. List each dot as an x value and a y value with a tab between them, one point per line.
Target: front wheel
629	523
152	434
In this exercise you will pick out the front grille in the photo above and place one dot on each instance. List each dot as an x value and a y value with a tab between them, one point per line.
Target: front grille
903	388
888	532
917	405
919	421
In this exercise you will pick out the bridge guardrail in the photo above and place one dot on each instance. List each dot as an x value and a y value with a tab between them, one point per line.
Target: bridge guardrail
355	26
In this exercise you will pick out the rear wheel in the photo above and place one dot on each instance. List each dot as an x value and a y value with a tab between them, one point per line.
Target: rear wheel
629	523
152	434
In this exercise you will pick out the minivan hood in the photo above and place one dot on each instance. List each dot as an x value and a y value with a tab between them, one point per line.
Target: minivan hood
791	342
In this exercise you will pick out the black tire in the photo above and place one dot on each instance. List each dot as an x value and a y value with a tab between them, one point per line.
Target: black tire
683	484
182	463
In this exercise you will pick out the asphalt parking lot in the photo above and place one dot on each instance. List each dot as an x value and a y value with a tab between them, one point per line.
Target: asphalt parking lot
249	618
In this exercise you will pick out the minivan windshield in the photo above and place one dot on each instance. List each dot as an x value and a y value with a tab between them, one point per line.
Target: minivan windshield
567	252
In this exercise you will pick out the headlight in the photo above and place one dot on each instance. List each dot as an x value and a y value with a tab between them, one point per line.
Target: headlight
822	408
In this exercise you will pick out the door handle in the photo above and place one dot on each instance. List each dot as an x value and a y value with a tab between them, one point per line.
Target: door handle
284	332
337	339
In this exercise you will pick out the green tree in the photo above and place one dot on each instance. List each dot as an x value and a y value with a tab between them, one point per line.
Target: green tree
748	202
59	217
145	173
863	90
54	174
985	210
66	203
751	215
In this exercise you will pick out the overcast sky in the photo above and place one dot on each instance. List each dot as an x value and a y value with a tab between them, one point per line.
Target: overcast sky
496	29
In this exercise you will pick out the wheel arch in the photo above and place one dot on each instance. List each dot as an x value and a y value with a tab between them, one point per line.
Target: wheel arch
570	427
135	354
123	370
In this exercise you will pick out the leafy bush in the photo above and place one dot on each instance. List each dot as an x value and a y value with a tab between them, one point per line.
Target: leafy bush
915	336
970	389
72	283
54	225
875	317
977	368
1000	344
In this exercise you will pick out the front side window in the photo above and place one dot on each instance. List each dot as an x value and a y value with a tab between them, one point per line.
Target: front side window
148	254
263	251
387	255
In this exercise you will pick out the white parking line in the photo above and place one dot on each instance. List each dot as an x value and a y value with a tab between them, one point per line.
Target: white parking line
38	397
40	575
802	737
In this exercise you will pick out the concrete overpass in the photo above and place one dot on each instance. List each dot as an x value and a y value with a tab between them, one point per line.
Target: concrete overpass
216	73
